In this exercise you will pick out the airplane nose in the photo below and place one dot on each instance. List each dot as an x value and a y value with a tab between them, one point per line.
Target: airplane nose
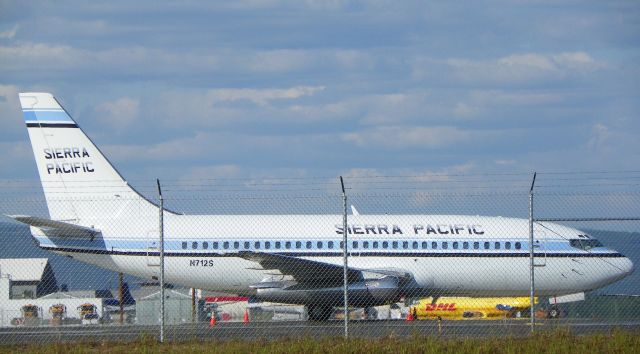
627	266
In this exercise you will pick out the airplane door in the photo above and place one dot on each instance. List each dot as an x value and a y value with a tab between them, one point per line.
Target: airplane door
153	249
540	249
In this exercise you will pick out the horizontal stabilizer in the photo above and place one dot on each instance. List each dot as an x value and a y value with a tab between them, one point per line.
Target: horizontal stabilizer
56	228
554	300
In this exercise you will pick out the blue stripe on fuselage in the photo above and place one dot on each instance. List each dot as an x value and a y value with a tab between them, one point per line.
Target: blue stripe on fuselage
557	248
339	254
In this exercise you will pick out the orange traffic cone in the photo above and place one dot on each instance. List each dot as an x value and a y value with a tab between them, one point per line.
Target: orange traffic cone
246	316
410	316
212	323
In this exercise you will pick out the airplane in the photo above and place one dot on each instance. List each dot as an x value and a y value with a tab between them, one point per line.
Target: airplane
96	217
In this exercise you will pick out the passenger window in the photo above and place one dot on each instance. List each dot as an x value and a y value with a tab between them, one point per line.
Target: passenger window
455	245
445	245
341	244
308	245
225	245
205	245
518	245
194	245
365	244
486	245
465	245
424	245
256	245
184	245
319	245
215	245
476	245
298	244
267	245
330	245
278	244
405	245
507	245
415	245
287	245
375	244
385	244
247	245
354	244
236	245
394	244
497	245
434	245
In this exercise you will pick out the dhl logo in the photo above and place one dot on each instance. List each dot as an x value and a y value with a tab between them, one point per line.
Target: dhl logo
441	307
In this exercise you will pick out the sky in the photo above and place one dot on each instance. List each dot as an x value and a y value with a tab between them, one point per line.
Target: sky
254	89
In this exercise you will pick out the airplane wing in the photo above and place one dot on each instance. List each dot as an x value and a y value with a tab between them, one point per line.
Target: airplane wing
303	270
314	272
56	228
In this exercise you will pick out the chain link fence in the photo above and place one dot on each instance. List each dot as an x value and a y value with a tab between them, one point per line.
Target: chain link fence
428	255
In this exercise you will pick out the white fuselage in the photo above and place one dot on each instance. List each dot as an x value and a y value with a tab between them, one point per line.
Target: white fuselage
448	254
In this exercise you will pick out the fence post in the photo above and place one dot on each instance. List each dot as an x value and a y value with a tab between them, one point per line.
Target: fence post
345	259
121	295
161	228
531	256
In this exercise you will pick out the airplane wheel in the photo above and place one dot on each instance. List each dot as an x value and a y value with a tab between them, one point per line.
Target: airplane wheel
319	313
554	312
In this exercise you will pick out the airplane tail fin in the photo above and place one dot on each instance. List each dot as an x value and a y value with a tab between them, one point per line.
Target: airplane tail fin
77	179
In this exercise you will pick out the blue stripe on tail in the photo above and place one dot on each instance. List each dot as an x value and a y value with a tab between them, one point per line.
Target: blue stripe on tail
52	116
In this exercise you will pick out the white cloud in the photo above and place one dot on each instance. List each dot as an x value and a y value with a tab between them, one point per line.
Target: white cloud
403	137
216	108
600	135
465	110
10	33
197	146
519	68
27	54
10	112
281	60
261	96
66	60
211	172
120	113
290	60
576	60
399	180
505	162
16	151
376	109
483	102
353	59
526	61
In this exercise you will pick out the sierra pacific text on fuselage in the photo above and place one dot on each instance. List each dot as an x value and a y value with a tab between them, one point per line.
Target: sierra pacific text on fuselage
67	167
425	229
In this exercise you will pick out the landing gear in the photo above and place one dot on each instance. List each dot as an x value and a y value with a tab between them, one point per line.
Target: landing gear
319	313
554	312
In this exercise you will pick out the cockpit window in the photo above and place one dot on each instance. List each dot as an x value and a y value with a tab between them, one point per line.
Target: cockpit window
585	244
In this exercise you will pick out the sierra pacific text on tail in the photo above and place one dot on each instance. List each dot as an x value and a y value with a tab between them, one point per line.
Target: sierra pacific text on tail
96	217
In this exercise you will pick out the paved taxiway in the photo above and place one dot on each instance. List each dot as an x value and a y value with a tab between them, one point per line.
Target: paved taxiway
275	330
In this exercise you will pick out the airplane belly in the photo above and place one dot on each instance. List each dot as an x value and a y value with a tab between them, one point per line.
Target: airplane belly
217	273
496	276
455	276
